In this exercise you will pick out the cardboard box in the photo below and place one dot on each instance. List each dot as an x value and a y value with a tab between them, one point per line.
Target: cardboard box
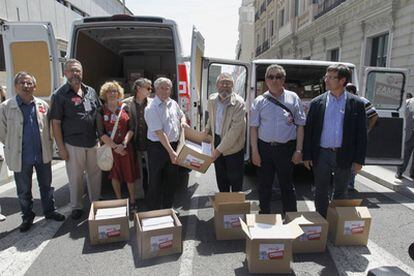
190	151
315	229
158	242
110	229
269	251
349	223
228	208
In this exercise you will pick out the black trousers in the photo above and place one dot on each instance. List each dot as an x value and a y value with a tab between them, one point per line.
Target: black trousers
229	170
163	177
331	182
276	159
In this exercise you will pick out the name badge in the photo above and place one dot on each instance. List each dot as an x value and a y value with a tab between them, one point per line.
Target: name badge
87	105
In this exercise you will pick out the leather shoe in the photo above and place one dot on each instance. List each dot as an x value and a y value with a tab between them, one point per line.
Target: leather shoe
55	216
76	214
398	175
27	223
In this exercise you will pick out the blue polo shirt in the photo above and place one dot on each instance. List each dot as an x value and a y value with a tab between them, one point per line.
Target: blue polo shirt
31	143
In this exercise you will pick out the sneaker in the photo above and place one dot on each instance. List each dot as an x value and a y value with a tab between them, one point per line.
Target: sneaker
27	223
55	216
398	175
76	214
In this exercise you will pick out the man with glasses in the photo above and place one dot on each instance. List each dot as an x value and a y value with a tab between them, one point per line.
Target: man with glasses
227	125
24	130
73	115
335	137
276	132
136	107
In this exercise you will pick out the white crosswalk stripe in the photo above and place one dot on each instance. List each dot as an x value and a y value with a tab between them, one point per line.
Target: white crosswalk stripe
358	260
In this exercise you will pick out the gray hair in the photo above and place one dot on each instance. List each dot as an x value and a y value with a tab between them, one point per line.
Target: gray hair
275	67
23	74
141	82
162	80
224	76
72	61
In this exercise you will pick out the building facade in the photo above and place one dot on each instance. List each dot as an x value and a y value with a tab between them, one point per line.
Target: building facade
366	33
245	43
61	14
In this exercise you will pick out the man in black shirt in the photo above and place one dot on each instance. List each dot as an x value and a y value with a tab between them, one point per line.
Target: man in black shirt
73	114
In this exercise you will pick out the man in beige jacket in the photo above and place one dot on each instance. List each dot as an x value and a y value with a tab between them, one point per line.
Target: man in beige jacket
24	130
227	125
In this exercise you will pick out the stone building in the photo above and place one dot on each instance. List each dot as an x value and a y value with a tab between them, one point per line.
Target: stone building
245	43
366	33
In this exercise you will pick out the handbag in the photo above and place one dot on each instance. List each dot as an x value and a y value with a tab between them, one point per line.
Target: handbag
105	159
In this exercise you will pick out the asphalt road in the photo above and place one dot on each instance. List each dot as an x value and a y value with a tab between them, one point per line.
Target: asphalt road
53	248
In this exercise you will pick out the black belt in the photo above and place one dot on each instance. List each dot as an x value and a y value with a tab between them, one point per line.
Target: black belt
173	144
278	144
331	149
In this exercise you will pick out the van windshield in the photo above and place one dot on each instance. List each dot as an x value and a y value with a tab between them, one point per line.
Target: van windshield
306	80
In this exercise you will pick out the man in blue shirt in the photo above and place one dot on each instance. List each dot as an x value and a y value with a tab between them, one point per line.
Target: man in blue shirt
24	130
335	137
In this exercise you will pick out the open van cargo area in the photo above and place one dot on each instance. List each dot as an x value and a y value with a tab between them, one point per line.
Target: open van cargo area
125	53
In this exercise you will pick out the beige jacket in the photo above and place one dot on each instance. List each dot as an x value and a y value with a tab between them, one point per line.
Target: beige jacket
233	132
11	132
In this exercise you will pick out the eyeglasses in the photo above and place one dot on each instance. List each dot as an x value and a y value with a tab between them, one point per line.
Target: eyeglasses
226	83
148	88
326	77
275	77
28	83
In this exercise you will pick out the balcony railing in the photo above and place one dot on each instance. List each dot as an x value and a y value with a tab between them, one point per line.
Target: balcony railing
263	8
326	6
258	50
265	46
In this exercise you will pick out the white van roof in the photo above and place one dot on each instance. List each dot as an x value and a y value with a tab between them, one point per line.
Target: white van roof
124	18
300	62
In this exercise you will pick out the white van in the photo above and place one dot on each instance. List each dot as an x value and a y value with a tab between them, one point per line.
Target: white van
124	47
383	87
119	47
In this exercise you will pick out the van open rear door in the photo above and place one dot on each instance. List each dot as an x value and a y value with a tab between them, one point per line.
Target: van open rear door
203	74
196	63
384	88
31	47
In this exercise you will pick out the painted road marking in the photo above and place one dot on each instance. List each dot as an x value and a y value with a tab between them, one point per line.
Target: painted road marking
19	250
190	243
358	260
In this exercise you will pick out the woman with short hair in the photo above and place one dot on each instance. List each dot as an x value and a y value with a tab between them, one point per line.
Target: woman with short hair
123	169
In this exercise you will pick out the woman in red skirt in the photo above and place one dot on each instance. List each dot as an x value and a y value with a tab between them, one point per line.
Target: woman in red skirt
122	150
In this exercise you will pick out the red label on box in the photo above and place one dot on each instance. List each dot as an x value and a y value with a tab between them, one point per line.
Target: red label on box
275	255
165	245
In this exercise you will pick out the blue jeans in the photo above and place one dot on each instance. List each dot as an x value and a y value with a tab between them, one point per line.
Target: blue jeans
23	181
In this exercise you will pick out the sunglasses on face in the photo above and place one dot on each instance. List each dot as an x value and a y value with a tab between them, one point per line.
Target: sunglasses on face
275	77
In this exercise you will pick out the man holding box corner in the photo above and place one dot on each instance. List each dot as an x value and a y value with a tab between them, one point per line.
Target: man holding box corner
165	122
227	125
